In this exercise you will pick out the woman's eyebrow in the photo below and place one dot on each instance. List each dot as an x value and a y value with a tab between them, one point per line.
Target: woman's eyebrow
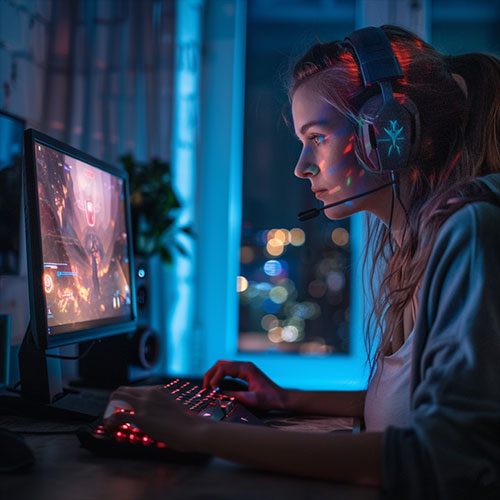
310	124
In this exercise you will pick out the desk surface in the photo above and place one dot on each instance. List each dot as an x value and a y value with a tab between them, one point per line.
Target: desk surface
64	470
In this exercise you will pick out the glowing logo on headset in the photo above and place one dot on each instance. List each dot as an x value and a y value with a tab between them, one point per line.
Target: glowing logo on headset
393	133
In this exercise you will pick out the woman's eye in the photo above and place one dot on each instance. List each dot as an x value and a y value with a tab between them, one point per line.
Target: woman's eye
318	139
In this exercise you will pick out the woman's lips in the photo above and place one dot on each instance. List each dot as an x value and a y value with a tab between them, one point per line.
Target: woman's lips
320	193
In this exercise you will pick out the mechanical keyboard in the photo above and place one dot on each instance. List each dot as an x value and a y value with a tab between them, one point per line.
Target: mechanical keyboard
128	440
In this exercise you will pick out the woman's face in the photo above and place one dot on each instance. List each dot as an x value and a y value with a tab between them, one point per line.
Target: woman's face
328	160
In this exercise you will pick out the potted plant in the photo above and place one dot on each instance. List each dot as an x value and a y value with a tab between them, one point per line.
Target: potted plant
155	209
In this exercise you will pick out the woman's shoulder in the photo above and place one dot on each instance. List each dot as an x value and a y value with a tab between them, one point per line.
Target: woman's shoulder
469	240
478	220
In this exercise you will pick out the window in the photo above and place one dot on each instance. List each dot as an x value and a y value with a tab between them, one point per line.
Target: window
278	32
294	283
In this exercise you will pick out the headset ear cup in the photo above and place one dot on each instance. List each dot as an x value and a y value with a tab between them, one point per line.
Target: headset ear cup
366	137
390	133
393	135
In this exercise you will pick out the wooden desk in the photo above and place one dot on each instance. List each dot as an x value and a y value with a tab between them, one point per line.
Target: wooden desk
66	471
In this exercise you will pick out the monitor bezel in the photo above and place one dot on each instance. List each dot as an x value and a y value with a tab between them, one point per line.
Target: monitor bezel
38	314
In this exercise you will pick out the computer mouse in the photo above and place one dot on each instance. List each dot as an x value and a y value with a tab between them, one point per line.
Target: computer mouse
16	454
233	385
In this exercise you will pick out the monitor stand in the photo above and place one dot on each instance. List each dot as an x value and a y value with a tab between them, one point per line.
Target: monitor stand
42	392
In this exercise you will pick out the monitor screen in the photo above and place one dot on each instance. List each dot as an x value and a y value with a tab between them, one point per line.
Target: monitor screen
80	244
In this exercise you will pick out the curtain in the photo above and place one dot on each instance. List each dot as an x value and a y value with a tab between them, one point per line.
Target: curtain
95	74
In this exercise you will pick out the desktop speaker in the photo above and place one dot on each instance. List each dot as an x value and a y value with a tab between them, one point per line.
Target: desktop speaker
126	358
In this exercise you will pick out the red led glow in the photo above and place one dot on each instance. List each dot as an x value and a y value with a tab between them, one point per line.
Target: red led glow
403	56
419	44
350	65
161	445
120	436
348	148
147	440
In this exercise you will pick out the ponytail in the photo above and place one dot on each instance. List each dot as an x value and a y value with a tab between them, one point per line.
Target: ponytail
481	126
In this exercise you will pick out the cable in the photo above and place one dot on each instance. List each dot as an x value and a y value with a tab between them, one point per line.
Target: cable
395	179
390	220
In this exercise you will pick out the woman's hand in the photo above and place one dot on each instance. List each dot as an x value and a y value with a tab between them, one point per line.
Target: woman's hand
262	391
155	412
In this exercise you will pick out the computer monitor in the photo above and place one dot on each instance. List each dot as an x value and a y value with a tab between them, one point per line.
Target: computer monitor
79	255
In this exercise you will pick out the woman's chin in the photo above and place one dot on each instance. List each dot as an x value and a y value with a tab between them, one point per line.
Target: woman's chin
341	211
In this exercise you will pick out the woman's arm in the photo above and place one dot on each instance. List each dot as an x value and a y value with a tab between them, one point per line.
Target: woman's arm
264	393
351	458
337	403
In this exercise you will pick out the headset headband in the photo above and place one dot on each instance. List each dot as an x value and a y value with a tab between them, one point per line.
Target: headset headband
376	59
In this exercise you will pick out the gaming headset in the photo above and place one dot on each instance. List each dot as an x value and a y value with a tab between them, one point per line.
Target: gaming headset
387	127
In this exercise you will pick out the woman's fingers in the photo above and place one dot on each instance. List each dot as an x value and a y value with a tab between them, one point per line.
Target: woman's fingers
209	375
238	370
248	398
119	418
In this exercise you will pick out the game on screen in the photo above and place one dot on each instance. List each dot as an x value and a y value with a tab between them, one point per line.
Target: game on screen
84	241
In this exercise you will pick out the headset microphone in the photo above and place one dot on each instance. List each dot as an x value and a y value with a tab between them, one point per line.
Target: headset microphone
314	212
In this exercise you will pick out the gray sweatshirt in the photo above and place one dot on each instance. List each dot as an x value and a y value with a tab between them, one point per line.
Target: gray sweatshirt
451	447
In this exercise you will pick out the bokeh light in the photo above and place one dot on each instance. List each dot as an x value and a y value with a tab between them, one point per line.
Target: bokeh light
317	288
297	237
283	235
252	291
269	321
290	333
275	247
340	236
297	322
335	281
247	254
273	267
278	294
263	288
241	284
274	335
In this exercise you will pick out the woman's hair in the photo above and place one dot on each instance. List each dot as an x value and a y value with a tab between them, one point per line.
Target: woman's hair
460	140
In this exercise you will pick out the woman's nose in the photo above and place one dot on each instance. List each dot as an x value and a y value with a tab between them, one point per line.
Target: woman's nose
305	169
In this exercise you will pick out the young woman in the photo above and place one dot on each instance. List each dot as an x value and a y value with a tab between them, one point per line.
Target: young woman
432	408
